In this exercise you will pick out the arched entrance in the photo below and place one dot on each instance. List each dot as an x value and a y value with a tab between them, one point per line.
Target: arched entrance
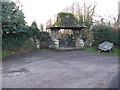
74	42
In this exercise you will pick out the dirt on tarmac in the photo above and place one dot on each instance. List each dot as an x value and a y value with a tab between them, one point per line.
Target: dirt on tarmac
59	69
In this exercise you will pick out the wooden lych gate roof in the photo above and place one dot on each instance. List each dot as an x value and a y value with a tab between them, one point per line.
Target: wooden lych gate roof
64	27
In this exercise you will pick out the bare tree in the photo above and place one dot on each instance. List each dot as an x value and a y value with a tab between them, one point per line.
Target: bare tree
84	13
41	27
49	23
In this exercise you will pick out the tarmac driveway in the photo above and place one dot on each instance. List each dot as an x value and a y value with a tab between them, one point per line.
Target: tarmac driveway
59	69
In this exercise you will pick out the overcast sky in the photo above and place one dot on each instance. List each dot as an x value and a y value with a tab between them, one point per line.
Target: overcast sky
42	10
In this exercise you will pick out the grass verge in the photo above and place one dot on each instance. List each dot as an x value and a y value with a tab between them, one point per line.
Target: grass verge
5	53
115	51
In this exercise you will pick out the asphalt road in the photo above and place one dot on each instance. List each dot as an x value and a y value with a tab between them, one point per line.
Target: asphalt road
60	69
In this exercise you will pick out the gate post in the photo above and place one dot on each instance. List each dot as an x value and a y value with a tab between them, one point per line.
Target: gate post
77	38
55	37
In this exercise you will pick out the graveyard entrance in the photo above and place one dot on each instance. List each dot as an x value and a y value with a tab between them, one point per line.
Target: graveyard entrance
66	42
64	36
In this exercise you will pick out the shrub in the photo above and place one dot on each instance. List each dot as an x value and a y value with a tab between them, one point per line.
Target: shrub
103	33
13	26
13	41
43	36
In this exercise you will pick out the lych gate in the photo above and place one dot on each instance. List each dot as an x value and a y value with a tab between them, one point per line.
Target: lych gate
76	34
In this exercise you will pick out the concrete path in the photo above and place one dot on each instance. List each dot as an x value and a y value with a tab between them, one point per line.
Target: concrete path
59	69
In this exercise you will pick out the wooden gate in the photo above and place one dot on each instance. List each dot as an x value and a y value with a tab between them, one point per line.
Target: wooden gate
66	43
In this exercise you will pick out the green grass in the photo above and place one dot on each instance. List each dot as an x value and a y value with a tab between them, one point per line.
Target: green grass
5	53
116	51
93	49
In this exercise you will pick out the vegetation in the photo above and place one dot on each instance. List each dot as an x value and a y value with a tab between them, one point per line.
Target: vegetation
12	18
103	33
15	31
44	36
44	39
93	49
42	27
115	51
29	45
66	19
77	15
13	26
33	31
67	35
16	35
84	13
5	53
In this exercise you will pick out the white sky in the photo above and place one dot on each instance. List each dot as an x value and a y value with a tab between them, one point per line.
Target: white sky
42	10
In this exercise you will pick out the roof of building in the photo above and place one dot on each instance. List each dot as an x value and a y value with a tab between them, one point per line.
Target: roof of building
64	27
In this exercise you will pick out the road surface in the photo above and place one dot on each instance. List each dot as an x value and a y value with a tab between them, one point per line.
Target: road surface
60	69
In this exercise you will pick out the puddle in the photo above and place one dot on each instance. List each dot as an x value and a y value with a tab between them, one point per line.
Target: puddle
19	72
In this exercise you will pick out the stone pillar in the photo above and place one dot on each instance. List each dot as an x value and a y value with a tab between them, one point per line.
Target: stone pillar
53	34
77	39
55	38
77	42
38	44
56	34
